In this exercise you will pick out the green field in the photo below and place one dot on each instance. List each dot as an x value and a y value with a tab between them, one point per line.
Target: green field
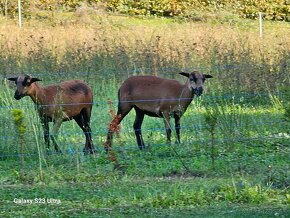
238	168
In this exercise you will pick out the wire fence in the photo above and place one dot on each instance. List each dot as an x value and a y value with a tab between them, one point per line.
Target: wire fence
212	100
134	148
208	98
157	129
172	71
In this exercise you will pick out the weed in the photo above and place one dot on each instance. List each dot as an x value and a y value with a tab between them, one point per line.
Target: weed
18	117
211	120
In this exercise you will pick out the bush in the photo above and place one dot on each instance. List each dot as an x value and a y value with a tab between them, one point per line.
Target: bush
272	10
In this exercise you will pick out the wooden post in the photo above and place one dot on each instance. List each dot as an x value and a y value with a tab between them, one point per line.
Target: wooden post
19	14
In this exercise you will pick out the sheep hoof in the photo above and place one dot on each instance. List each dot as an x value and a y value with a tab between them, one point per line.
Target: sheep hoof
119	167
89	151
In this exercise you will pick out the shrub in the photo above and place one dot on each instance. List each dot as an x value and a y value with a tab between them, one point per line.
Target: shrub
272	10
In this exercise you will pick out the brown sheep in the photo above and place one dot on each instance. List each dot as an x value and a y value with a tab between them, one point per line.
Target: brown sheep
57	103
155	97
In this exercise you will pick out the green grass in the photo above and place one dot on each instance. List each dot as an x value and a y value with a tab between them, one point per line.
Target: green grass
146	184
94	200
99	191
251	164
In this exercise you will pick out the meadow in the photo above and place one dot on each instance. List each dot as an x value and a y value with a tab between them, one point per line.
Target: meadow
233	160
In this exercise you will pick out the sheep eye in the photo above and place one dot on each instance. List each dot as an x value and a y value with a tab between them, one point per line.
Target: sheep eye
25	83
192	79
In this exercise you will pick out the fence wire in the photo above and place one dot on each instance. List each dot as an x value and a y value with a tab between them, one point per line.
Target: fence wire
134	148
206	99
172	71
187	127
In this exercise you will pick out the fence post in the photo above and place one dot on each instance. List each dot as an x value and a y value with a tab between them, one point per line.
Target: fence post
19	14
260	24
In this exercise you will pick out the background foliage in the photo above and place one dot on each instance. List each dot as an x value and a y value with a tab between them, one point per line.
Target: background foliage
272	9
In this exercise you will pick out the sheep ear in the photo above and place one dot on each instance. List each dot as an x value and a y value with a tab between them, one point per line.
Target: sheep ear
12	78
184	74
34	80
207	76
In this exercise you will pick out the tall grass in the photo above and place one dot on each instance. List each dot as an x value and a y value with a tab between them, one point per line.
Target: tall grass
111	47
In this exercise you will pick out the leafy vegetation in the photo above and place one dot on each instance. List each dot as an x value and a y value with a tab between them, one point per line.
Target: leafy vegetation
273	10
21	129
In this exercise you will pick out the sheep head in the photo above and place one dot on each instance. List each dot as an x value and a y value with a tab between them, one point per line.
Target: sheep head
23	85
196	81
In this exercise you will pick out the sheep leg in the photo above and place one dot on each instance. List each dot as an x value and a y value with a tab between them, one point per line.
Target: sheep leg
89	142
87	116
137	128
45	127
177	127
83	123
123	110
166	118
56	126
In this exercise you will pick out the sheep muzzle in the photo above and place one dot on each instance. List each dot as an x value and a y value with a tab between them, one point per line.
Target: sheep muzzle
198	91
17	96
